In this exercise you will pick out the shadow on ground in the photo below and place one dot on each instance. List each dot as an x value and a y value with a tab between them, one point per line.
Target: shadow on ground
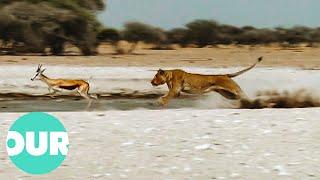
17	102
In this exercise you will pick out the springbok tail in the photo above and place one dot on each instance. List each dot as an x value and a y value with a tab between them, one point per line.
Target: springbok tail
245	70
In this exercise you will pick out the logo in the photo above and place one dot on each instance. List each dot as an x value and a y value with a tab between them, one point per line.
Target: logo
37	143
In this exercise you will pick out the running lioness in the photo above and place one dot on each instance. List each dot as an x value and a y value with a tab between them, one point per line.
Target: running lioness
178	81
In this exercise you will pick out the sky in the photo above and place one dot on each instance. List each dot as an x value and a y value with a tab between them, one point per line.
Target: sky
169	14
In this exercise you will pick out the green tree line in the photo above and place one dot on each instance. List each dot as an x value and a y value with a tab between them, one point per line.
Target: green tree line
38	25
210	32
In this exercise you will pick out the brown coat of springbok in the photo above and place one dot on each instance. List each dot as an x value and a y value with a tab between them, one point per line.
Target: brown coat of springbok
56	85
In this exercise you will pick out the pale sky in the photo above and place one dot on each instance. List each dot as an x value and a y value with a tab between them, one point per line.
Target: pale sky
176	13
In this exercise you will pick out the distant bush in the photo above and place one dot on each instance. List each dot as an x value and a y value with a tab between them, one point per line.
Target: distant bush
297	35
208	32
202	32
38	24
256	36
314	36
135	32
178	36
109	35
227	34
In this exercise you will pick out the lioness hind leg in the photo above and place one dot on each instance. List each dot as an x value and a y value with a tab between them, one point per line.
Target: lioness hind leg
227	94
230	93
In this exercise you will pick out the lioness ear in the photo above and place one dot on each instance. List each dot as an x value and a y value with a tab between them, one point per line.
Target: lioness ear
160	71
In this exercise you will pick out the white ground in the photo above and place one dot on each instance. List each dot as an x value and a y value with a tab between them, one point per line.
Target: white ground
111	79
182	143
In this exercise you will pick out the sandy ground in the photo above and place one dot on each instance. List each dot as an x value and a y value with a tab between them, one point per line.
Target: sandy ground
183	142
133	85
224	56
178	144
129	79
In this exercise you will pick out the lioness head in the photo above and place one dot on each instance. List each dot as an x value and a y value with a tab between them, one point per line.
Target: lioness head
159	78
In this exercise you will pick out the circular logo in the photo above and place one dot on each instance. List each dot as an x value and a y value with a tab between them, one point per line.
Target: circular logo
37	143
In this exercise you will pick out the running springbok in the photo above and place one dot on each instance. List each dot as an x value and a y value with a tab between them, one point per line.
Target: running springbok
56	85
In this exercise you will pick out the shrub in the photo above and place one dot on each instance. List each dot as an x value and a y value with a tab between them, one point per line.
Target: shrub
178	36
39	24
134	32
202	32
109	35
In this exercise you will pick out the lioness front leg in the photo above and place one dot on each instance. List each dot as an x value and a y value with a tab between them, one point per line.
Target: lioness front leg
173	92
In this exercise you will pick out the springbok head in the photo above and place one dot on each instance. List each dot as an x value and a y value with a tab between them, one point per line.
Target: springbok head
38	72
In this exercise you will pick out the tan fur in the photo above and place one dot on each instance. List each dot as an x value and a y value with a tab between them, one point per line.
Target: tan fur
178	81
57	85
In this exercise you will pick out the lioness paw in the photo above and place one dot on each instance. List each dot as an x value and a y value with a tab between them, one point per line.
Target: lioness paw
162	101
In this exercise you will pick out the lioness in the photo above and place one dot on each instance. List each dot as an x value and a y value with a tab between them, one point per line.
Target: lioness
178	81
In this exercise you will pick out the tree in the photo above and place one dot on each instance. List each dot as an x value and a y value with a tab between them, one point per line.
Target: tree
134	32
51	23
203	32
178	36
109	35
294	35
314	36
227	34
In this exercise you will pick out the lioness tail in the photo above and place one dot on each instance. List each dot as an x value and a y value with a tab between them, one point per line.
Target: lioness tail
245	70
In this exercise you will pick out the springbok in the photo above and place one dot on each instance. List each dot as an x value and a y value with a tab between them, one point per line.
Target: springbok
57	85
